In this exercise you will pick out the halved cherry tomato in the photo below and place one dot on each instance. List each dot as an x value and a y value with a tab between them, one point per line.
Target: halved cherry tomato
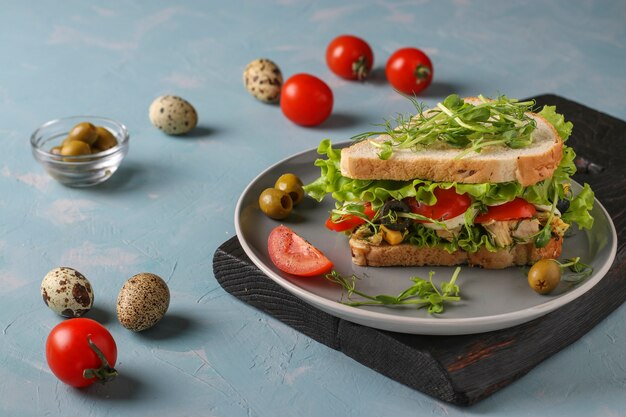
349	57
306	100
513	210
409	70
294	255
449	205
350	221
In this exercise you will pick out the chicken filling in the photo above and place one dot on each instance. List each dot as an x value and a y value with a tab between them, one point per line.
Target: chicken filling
501	233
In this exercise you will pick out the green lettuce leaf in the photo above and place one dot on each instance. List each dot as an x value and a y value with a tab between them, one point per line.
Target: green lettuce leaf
566	167
578	211
471	239
563	128
424	237
542	192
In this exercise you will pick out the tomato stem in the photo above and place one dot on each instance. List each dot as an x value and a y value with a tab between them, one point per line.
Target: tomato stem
359	68
422	72
105	372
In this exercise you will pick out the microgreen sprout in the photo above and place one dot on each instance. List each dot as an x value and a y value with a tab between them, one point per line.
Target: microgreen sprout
423	293
471	127
579	270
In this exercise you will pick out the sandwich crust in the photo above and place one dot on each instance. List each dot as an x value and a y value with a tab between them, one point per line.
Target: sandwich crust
493	164
405	254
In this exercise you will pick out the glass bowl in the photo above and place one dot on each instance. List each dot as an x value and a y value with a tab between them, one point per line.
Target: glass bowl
79	170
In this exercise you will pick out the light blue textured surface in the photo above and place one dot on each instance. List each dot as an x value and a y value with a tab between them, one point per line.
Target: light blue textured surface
171	203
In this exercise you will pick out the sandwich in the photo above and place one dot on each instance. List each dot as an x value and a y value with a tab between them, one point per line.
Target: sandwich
477	181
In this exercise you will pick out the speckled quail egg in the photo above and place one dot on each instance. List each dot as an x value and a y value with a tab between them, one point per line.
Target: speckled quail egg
142	301
67	292
263	79
173	115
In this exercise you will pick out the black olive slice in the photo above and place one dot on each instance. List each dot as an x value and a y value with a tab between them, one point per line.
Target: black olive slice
389	215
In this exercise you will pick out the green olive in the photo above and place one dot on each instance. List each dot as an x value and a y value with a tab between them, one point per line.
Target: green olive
544	276
84	132
75	147
275	203
56	150
105	139
292	185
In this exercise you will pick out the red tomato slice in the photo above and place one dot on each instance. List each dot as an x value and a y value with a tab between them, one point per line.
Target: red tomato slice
350	221
294	255
449	205
513	210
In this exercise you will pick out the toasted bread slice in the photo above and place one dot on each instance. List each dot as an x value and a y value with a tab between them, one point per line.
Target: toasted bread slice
405	254
493	164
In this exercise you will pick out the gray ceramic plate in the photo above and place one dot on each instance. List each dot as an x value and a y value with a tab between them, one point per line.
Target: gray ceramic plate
491	299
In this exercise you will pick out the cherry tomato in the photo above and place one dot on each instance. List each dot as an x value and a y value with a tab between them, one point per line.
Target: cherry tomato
350	221
409	70
80	352
513	210
294	255
349	57
306	100
449	205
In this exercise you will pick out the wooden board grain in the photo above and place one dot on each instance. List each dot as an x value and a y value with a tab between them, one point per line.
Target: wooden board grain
465	369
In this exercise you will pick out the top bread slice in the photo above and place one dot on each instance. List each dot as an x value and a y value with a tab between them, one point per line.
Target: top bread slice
494	164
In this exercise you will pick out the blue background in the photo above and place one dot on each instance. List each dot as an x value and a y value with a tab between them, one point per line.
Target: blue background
171	203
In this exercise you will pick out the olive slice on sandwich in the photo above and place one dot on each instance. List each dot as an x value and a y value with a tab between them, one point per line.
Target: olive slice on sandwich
391	217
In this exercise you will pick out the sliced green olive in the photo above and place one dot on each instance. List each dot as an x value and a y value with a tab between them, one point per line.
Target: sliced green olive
275	203
105	139
544	276
292	185
84	132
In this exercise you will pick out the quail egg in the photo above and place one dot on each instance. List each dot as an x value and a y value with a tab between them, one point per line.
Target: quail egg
67	292
173	115
263	79
142	301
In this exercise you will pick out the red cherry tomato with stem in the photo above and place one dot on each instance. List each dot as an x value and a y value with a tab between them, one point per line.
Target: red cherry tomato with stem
349	57
294	255
409	70
513	210
306	100
80	352
449	205
350	221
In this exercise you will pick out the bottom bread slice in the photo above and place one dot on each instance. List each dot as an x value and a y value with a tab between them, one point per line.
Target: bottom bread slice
405	254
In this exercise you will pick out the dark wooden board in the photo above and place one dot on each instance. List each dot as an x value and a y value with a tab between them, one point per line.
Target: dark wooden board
465	369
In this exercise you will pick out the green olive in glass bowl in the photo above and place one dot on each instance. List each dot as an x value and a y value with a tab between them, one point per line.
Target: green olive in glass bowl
76	167
83	132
